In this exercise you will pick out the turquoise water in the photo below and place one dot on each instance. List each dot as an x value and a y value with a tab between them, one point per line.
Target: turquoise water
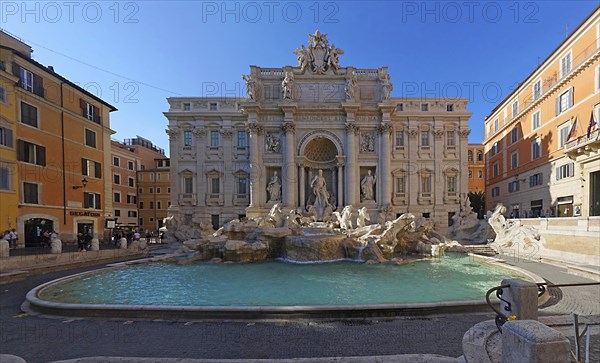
279	283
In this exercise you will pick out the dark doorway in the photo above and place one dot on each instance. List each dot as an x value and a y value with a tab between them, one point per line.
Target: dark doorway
595	193
34	229
83	228
215	221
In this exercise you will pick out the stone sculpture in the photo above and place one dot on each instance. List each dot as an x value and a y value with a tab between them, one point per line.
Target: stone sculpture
287	86
511	234
350	88
274	188
250	86
56	246
367	186
363	217
367	143
387	86
321	206
272	143
318	57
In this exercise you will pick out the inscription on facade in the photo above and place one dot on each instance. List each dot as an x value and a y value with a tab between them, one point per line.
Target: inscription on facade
315	117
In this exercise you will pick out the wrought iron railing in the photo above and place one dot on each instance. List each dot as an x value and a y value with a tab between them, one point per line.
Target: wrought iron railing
501	318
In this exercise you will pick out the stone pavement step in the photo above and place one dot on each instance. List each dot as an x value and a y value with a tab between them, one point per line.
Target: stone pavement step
403	358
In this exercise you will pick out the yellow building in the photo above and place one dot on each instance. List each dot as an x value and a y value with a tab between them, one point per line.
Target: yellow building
62	143
9	184
476	168
154	191
541	142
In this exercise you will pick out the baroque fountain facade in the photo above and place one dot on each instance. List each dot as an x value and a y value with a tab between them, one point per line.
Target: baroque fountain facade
316	142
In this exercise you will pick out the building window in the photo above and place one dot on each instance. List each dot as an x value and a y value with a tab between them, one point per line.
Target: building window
6	137
480	174
470	155
535	120
187	138
495	191
157	190
140	190
496	122
242	185
30	193
131	182
479	156
565	171
3	96
188	185
214	138
495	170
495	148
563	134
426	184
131	213
91	200
400	107
151	190
117	197
131	199
91	168
91	112
141	221
536	179
168	190
29	114
515	109
565	65
451	184
424	138
400	138
116	179
117	212
31	153
130	165
537	89
242	139
186	107
116	161
514	160
213	106
90	138
151	205
26	79
215	184
450	138
141	205
424	107
470	174
4	178
450	107
401	184
564	101
514	135
536	148
158	205
513	186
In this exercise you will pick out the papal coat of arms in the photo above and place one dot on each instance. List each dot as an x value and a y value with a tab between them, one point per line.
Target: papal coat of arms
319	57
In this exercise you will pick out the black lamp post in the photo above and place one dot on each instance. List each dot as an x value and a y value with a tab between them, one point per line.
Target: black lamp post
84	182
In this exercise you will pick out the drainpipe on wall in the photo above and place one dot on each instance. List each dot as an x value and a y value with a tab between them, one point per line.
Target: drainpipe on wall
62	137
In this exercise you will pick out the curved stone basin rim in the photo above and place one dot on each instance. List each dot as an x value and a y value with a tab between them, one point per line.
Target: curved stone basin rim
249	312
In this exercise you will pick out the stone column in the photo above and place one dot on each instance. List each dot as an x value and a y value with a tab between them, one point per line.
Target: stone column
302	186
351	164
413	176
289	180
340	189
385	179
463	144
200	139
254	129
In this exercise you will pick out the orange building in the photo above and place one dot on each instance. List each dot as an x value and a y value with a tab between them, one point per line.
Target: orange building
154	191
542	141
62	142
125	164
476	160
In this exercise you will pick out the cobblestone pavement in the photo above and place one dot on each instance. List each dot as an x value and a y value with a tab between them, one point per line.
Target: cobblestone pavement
42	339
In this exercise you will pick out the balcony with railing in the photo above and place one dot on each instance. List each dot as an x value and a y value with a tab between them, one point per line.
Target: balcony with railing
583	144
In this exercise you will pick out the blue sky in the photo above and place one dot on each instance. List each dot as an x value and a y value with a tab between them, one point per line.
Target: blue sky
136	54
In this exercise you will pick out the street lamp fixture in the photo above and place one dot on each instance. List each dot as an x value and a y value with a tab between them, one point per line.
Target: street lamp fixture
84	182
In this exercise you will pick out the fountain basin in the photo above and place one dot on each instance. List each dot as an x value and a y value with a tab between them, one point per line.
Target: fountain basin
272	289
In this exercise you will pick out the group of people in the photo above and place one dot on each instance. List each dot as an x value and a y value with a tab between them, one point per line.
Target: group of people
11	236
134	235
